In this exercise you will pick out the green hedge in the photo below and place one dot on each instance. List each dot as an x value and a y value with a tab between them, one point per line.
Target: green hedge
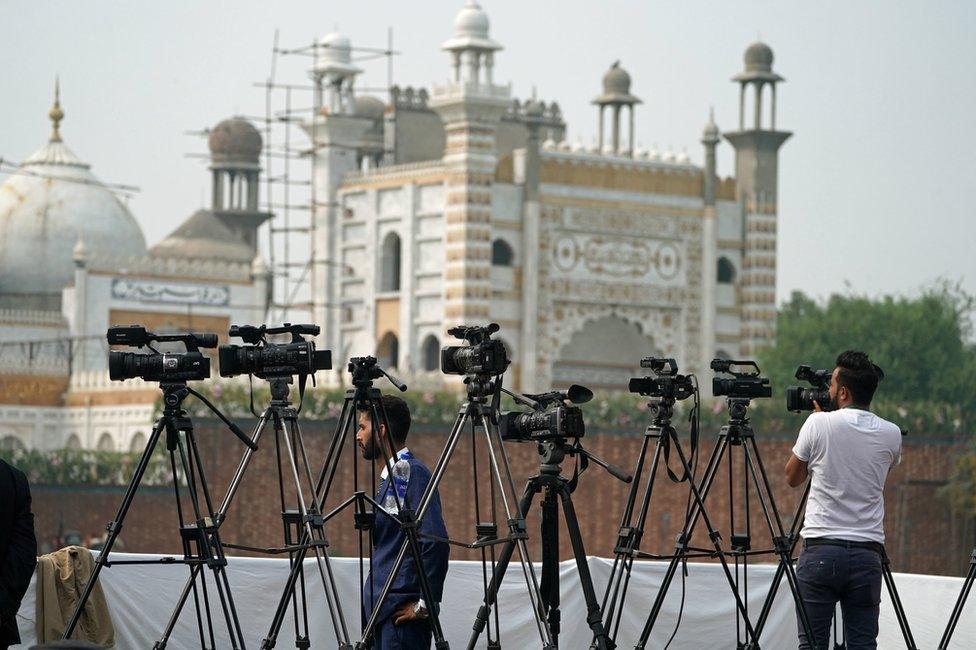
87	467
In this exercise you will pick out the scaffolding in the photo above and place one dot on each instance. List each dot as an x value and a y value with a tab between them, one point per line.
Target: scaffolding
289	175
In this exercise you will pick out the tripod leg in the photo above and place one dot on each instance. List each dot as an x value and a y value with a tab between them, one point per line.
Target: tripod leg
967	585
624	556
325	569
782	543
700	493
906	630
549	587
210	550
504	557
593	615
778	576
115	527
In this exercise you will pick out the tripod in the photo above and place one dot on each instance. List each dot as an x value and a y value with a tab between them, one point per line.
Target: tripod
967	585
363	397
738	433
200	537
555	488
305	522
889	580
631	530
480	412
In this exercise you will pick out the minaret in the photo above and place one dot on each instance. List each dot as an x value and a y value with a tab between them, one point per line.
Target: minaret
235	151
471	106
616	95
335	133
710	140
756	170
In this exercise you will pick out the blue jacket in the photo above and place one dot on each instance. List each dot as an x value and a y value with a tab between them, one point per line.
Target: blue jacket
387	539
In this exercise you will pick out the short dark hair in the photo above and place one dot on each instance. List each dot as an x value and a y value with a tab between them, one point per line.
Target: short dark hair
397	415
858	375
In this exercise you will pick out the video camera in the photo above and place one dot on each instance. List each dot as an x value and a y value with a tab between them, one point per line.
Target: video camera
743	384
552	417
800	399
191	365
482	356
266	360
665	382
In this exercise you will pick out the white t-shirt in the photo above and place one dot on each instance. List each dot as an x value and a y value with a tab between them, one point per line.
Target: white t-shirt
848	454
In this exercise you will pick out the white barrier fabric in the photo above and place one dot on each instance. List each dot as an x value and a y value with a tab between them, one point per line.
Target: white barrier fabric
141	599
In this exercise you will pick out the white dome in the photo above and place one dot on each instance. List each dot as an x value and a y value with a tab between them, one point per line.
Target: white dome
47	207
333	56
471	21
471	30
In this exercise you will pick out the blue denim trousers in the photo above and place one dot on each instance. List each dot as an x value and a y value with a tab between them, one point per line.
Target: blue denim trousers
851	576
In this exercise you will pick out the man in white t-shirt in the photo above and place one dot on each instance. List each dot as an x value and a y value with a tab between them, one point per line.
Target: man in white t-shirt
847	452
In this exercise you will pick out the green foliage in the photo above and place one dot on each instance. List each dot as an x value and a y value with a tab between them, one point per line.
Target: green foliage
922	343
87	467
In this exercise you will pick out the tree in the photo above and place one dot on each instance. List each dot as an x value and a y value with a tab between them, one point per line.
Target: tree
923	344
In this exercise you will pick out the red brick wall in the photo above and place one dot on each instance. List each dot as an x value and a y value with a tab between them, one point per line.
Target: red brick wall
924	536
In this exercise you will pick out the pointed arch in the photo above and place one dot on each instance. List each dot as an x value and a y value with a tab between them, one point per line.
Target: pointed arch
502	253
390	263
725	271
388	350
430	353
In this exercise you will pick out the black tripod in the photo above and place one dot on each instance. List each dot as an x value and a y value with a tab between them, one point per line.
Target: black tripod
480	411
967	585
737	433
200	537
556	489
631	531
889	581
362	397
302	526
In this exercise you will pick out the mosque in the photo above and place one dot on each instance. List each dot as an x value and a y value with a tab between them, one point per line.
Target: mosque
441	205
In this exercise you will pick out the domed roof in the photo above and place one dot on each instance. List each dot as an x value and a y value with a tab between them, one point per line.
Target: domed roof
759	57
333	56
235	140
471	27
369	106
471	21
203	236
47	206
616	87
616	80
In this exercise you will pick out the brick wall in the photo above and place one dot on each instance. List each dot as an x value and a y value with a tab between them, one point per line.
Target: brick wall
924	536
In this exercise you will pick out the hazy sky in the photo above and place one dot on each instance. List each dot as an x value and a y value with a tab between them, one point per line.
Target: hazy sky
876	185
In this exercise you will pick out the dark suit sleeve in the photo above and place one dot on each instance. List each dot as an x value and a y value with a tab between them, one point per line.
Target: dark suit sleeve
18	565
435	553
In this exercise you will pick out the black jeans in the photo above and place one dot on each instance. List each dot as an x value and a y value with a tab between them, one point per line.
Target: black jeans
852	576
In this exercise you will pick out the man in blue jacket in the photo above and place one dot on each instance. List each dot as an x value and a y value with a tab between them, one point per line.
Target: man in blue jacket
403	620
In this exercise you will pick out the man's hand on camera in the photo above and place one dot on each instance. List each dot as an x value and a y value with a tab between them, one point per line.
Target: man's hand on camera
816	407
409	612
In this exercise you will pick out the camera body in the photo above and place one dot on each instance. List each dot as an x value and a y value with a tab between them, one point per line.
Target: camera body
555	416
743	384
664	383
269	360
799	398
482	356
191	365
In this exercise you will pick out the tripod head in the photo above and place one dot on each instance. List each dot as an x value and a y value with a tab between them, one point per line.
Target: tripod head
738	409
366	369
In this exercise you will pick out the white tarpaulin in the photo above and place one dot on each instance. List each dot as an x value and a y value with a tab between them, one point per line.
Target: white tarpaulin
141	598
